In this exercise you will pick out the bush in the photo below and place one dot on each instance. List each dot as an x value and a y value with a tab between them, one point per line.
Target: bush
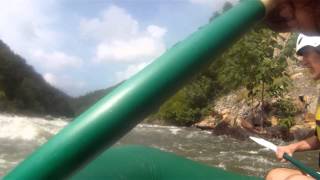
285	108
287	122
182	109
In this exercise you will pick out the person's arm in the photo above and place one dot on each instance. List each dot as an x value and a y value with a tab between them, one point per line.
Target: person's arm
311	143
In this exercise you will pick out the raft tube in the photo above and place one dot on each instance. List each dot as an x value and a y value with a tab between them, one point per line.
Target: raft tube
111	118
143	163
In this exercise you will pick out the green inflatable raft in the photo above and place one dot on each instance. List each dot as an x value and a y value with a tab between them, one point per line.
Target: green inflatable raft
143	163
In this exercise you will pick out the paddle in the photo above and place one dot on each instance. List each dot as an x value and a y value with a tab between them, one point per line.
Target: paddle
295	162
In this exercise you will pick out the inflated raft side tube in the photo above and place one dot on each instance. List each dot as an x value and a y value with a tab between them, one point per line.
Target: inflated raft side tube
143	163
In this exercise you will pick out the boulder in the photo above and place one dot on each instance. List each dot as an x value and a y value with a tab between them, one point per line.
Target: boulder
309	117
247	124
224	128
279	132
206	124
274	121
296	76
302	133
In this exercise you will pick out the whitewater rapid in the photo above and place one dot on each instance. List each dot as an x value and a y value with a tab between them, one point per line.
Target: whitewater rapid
19	136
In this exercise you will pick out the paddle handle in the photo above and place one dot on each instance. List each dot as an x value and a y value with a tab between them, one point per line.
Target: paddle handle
302	167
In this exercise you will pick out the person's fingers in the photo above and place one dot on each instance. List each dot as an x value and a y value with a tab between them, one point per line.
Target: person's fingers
281	150
279	154
281	18
283	161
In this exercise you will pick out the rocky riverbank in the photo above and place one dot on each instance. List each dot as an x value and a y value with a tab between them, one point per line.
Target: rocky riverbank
233	116
297	132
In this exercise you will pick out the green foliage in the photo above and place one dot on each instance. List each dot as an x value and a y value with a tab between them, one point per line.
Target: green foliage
178	111
227	5
289	49
285	108
82	103
2	95
22	90
189	104
251	63
287	122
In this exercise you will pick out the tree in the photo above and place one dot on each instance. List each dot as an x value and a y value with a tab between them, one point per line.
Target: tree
250	63
227	5
253	64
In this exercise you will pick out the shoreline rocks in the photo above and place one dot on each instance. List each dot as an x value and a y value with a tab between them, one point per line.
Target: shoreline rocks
242	133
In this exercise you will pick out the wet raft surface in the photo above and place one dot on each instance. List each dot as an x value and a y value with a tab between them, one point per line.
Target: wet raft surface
142	163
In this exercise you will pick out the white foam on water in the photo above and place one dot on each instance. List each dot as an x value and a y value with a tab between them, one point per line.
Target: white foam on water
191	135
2	161
203	158
28	128
222	166
265	150
206	132
180	146
7	164
224	152
154	126
174	131
257	159
148	125
158	128
161	148
195	133
253	152
254	169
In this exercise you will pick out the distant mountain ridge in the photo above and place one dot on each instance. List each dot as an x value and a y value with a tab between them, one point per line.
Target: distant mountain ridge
81	103
22	90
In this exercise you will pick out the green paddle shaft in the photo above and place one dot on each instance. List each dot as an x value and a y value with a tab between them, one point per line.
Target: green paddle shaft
302	167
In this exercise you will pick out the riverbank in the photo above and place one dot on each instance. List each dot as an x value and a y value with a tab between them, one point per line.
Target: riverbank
264	125
295	133
290	118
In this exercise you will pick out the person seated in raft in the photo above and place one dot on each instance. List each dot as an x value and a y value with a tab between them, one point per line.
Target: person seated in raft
299	16
308	47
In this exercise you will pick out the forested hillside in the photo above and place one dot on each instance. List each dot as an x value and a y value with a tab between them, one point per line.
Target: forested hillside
22	90
81	103
257	63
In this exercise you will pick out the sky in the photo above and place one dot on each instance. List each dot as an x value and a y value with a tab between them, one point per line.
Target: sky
80	46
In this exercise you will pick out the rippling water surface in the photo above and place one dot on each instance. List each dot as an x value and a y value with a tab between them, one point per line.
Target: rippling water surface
21	135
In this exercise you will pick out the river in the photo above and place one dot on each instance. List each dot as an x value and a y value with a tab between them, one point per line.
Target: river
19	136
